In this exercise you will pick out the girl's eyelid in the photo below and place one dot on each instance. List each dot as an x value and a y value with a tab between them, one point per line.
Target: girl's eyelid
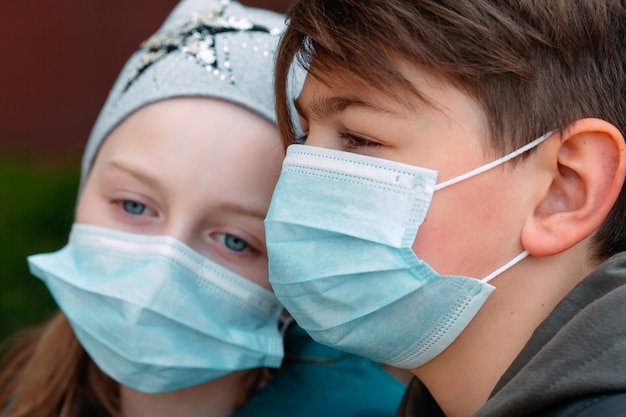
254	243
222	240
120	197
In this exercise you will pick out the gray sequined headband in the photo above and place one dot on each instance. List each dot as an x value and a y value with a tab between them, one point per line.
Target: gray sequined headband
205	48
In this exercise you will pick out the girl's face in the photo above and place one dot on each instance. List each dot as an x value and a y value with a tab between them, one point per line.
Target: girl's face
197	169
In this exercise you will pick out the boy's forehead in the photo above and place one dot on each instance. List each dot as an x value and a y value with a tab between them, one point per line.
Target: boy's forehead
333	91
322	98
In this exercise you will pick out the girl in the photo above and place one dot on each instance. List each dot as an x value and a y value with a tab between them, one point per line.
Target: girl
166	307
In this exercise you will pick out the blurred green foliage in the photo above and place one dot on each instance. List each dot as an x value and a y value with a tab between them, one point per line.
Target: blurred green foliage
37	199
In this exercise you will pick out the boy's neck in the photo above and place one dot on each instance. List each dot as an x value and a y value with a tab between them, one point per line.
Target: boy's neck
218	398
462	377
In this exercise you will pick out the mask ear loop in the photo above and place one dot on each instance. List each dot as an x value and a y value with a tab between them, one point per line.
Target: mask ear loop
495	163
487	167
504	267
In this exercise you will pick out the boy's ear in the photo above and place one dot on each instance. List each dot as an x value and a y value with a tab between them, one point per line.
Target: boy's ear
583	174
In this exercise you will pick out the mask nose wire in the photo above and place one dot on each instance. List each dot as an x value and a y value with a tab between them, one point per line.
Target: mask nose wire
493	164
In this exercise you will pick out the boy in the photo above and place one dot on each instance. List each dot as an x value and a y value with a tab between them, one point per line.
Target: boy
457	209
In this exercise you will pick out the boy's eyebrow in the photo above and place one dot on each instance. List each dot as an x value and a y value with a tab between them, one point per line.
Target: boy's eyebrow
327	107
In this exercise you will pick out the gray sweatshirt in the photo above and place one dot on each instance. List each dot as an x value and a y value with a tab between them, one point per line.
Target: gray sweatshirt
578	351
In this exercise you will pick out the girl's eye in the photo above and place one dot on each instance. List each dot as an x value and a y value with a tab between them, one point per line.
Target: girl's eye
134	208
352	142
232	242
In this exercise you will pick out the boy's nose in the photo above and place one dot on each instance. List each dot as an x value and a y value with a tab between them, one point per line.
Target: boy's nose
323	139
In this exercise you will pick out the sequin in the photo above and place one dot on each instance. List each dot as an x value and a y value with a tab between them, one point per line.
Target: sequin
196	40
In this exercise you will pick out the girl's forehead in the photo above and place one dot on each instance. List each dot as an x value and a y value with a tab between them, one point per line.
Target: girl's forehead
189	125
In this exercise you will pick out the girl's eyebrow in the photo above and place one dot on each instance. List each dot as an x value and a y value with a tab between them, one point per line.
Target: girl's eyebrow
139	173
153	181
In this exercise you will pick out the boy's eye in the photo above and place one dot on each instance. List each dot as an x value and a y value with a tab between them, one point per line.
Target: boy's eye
232	242
133	207
352	142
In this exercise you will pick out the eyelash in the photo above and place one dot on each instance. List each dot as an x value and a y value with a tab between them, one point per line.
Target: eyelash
132	210
129	207
222	238
351	142
141	213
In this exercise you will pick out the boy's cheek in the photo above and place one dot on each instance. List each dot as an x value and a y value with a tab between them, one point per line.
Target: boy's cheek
472	227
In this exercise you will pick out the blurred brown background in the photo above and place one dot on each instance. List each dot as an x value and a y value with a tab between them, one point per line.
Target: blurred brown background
59	59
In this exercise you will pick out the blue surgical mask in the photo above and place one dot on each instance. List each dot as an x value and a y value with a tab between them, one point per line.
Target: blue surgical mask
339	233
155	315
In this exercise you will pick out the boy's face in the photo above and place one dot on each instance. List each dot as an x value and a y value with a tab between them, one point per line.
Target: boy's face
472	227
199	170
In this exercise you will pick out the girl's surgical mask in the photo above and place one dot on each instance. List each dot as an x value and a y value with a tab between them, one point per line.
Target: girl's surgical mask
155	315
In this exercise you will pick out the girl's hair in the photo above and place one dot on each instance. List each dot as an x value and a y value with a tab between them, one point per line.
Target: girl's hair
47	373
532	66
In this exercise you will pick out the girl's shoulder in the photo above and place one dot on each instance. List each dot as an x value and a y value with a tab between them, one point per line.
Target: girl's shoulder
318	380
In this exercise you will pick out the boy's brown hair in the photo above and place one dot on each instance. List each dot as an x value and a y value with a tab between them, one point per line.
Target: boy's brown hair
531	65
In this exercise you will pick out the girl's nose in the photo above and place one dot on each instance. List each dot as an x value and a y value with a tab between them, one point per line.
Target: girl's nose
181	232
